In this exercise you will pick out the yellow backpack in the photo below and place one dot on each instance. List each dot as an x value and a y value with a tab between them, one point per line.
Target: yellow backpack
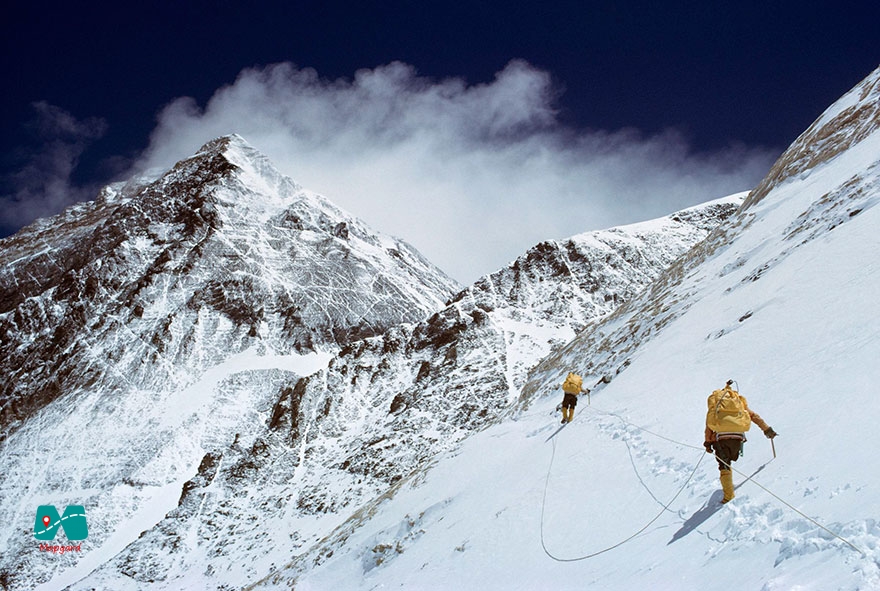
727	412
572	383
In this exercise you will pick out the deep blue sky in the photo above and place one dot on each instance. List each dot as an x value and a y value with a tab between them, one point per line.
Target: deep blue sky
756	73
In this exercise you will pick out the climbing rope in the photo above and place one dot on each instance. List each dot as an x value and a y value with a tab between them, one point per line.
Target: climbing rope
801	513
620	543
623	420
667	505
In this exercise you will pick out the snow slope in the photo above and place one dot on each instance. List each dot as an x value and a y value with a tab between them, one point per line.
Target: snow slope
783	300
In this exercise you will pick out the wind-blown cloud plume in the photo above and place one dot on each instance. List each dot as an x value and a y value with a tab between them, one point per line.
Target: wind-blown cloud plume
472	175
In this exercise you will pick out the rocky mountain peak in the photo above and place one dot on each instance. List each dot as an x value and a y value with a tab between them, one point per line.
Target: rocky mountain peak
229	173
218	254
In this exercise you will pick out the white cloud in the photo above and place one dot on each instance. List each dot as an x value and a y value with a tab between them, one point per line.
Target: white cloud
472	175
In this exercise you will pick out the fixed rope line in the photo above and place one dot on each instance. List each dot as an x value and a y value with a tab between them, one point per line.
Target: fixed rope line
799	512
748	479
618	544
623	420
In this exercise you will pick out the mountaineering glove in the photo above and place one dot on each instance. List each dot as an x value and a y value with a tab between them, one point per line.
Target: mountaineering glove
769	432
708	446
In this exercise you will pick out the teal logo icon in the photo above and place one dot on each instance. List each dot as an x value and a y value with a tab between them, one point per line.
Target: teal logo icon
47	522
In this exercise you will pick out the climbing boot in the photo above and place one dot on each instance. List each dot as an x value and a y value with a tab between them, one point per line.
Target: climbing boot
727	485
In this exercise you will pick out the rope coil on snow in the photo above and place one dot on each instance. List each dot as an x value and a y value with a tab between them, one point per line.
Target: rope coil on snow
620	543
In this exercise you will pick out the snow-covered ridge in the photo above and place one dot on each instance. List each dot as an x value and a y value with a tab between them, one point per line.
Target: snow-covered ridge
849	153
850	120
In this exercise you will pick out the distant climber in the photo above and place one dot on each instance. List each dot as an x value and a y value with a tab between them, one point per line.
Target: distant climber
572	386
727	420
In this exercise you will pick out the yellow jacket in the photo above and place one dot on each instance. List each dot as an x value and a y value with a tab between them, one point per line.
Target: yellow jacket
729	426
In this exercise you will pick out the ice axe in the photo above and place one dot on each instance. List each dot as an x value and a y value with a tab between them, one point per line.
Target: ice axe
771	435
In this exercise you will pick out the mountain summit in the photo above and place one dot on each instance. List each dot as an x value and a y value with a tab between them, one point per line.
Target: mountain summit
151	284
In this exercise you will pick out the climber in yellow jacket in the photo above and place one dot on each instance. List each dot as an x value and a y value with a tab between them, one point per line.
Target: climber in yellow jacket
727	420
571	388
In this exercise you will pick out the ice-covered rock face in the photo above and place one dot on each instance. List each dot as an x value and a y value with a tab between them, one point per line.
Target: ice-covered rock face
153	283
